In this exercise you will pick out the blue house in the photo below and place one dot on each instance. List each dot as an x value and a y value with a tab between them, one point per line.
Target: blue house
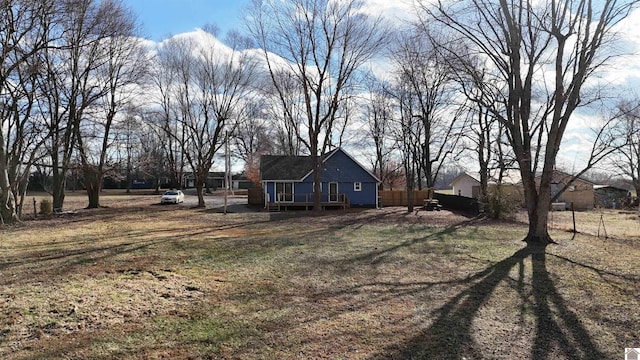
288	182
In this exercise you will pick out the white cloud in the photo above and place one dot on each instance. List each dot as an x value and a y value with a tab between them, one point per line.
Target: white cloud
399	11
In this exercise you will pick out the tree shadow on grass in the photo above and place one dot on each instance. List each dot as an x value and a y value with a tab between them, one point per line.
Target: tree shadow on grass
558	330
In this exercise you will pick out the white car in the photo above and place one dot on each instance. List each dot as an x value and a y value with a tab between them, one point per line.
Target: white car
172	197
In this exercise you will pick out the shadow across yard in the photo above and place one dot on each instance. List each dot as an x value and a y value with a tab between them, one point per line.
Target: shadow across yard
355	284
450	336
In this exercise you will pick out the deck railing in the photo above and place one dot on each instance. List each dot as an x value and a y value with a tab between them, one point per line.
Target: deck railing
309	198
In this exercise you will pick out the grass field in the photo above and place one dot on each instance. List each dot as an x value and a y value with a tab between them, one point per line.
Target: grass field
142	281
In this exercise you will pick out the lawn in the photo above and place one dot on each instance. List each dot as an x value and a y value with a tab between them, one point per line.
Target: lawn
141	281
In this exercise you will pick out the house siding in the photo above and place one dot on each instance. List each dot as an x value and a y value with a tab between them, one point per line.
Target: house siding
340	168
366	197
581	193
337	168
582	199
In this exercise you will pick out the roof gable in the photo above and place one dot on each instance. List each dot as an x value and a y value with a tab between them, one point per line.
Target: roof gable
509	177
339	160
300	168
472	176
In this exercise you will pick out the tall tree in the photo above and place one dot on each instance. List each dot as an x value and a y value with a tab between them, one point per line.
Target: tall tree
485	135
544	53
24	34
285	112
122	69
320	44
252	137
165	70
70	86
431	91
407	134
377	110
627	157
210	83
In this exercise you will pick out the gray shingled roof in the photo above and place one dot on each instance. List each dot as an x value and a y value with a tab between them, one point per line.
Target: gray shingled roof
278	167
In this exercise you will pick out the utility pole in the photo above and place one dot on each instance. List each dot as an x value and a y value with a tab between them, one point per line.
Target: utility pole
226	169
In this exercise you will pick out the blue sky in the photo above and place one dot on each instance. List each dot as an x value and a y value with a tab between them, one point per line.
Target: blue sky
161	18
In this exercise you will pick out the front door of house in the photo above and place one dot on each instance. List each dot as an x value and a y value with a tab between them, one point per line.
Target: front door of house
333	192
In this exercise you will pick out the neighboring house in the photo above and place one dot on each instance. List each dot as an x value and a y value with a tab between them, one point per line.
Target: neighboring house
580	193
240	181
215	180
609	196
583	194
468	183
287	181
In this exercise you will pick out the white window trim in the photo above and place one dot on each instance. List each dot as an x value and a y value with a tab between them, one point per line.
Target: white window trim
357	186
275	190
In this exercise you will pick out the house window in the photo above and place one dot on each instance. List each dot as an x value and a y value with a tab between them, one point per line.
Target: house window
284	192
357	186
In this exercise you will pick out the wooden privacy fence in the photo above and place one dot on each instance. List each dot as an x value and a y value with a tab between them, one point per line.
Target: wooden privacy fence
399	197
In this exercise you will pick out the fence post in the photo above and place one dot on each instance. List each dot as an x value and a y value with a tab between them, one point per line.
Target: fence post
573	214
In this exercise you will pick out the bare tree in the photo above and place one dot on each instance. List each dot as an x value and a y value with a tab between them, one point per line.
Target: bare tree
286	113
407	133
165	70
70	87
377	110
485	135
543	54
431	91
129	137
122	69
151	159
23	35
627	157
320	44
211	81
252	137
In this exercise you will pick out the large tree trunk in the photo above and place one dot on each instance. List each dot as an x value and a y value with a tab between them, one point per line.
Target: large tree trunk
8	213
538	201
538	226
128	182
199	188
93	185
199	183
59	181
7	200
93	194
317	171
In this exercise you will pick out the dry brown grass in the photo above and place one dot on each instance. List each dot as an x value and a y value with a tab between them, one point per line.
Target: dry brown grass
604	223
142	281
